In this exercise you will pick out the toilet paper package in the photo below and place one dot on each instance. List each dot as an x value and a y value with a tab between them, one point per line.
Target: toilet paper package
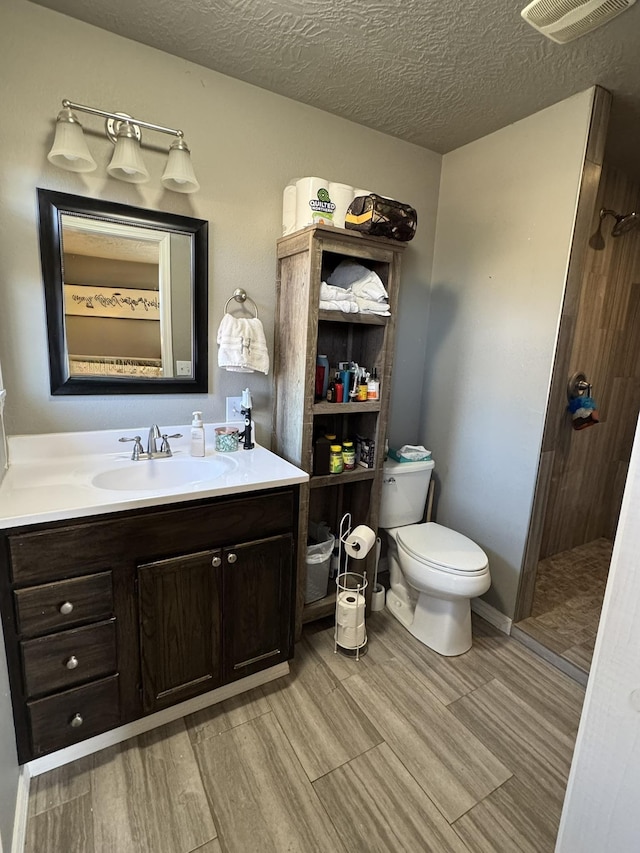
313	202
289	209
342	196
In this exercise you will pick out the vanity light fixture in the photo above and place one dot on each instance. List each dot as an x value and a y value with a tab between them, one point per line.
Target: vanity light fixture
70	149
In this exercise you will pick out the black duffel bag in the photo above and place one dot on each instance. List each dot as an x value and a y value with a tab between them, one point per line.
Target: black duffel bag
381	217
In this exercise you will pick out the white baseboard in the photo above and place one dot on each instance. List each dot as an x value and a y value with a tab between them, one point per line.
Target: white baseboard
22	810
491	615
152	721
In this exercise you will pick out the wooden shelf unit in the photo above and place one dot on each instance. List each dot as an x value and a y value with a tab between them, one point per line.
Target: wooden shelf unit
305	259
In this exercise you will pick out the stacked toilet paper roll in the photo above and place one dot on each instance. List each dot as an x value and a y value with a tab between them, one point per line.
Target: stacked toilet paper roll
350	630
313	202
341	196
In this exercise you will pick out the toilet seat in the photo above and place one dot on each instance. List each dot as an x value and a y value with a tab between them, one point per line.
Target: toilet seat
442	548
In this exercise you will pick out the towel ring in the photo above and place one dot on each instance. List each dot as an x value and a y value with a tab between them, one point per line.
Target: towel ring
240	296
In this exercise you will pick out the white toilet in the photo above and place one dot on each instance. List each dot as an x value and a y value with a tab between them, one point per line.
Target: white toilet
435	572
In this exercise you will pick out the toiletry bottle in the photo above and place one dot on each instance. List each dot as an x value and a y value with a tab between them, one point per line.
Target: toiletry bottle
336	463
339	389
331	392
321	454
373	386
197	435
362	389
323	362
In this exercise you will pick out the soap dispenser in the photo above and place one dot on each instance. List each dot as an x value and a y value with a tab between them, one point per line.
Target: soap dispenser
197	435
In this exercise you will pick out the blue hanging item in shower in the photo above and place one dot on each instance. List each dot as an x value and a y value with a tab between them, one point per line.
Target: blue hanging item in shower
584	412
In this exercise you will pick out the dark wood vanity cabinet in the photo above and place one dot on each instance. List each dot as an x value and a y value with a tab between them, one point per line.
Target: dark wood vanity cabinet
112	617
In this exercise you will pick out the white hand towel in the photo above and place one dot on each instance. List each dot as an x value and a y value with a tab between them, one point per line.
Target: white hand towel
242	345
371	306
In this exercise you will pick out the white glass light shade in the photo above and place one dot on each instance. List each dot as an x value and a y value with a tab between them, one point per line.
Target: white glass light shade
127	163
178	175
69	150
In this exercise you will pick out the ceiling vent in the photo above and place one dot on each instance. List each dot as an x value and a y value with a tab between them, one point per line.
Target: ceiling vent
565	20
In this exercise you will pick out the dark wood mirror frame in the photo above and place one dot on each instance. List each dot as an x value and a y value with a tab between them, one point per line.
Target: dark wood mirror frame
52	205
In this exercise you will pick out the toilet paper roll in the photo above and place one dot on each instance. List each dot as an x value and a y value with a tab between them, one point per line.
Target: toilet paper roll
313	202
360	541
350	638
341	196
351	609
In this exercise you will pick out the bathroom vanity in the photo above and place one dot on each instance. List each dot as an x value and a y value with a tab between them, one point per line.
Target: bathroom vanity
120	603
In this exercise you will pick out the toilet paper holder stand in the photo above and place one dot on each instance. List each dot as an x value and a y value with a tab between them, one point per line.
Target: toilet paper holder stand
350	587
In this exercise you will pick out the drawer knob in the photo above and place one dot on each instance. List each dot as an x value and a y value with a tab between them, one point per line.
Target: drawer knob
76	721
66	608
216	562
72	663
231	558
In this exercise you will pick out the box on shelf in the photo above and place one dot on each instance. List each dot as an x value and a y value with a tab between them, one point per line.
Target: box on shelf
365	451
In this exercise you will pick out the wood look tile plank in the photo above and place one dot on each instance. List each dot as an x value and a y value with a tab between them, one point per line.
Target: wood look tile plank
60	785
212	846
260	795
66	828
451	765
377	806
516	817
447	678
526	741
326	730
540	684
148	795
219	718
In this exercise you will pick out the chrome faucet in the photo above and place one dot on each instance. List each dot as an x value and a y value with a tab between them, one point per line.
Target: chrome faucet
154	435
152	444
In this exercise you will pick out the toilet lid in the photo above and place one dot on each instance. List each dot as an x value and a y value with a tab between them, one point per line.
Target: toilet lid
432	543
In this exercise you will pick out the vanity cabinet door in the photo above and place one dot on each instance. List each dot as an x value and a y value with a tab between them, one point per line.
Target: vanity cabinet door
179	617
257	612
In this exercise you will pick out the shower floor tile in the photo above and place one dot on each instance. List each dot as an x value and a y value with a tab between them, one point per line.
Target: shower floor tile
568	599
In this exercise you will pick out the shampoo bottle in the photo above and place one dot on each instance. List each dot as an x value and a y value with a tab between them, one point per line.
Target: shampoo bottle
197	435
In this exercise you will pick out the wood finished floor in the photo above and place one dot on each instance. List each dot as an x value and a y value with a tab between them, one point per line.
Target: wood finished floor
568	599
403	750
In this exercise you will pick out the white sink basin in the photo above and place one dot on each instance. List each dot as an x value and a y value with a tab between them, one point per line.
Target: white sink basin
154	474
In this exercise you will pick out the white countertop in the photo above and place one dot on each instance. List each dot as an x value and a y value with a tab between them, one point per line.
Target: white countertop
50	476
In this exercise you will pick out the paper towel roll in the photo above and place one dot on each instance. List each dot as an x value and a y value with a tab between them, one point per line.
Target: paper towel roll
313	204
350	638
360	541
289	209
341	196
351	609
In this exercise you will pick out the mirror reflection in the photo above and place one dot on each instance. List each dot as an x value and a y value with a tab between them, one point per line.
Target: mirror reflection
125	294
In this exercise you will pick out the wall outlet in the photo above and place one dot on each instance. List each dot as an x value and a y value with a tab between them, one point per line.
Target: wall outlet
183	368
234	406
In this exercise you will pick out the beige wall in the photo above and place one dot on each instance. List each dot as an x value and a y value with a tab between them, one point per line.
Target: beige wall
505	223
246	144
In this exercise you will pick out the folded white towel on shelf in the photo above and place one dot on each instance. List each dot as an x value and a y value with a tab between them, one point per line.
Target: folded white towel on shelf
242	345
370	306
362	281
345	305
330	291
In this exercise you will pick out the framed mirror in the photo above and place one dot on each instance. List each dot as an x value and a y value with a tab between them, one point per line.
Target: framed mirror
125	295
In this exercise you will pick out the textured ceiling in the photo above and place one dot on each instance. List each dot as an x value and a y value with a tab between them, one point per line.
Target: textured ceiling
439	73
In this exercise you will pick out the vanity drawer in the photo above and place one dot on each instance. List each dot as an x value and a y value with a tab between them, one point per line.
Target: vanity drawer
74	715
46	608
70	657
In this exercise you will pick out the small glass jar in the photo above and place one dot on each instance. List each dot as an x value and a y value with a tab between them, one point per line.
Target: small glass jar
336	463
348	456
226	439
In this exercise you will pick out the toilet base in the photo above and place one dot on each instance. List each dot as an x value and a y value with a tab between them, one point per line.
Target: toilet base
442	624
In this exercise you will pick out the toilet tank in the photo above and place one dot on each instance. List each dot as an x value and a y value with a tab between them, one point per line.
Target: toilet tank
404	492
